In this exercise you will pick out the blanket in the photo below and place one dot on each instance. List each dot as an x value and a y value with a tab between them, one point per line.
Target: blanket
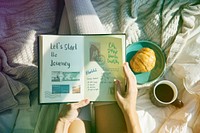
174	25
21	23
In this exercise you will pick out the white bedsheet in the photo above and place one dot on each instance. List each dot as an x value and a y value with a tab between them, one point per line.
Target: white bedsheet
175	25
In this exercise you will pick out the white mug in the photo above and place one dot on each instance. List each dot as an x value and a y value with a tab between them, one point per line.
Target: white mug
165	93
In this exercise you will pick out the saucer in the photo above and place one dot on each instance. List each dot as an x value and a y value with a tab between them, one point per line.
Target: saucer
157	71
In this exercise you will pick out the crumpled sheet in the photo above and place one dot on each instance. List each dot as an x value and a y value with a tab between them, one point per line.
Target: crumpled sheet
175	26
171	24
187	66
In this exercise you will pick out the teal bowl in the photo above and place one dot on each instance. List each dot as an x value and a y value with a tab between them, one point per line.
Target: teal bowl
157	71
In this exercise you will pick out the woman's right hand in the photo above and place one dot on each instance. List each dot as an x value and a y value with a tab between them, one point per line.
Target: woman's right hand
126	97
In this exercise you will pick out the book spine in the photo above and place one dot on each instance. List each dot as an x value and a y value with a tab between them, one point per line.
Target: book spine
92	110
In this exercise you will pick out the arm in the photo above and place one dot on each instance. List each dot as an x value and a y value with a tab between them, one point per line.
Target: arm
132	122
127	100
68	115
62	127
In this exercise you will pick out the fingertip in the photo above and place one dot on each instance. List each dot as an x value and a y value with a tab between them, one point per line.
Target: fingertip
117	82
87	101
126	64
128	70
82	103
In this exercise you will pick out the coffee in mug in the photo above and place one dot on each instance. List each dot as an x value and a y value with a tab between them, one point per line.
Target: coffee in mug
164	93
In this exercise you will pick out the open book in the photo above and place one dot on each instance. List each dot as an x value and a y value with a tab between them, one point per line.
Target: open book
74	67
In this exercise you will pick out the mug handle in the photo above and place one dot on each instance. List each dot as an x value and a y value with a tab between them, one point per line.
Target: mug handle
178	103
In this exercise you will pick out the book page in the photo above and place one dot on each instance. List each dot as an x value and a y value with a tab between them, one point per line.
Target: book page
61	69
104	58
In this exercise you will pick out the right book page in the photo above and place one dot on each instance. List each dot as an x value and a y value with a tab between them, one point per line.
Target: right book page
104	58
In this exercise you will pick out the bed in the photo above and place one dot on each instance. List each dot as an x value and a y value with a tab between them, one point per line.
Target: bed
174	25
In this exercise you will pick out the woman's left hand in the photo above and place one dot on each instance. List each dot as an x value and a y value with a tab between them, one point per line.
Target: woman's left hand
70	112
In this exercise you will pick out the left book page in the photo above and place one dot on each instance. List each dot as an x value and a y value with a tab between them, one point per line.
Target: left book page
62	58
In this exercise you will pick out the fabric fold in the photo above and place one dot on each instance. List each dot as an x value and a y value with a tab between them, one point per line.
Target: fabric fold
13	93
7	99
21	23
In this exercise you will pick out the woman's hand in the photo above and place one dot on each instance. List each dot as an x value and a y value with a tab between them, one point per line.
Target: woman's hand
70	112
126	97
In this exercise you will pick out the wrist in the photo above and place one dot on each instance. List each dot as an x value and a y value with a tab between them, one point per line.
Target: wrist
132	121
129	110
65	120
62	126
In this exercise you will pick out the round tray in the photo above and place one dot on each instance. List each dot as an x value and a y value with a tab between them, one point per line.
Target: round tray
157	71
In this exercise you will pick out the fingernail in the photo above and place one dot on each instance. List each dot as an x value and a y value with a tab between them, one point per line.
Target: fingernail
116	81
127	64
86	100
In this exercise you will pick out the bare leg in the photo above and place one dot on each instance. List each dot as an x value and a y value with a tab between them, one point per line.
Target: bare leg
109	119
79	126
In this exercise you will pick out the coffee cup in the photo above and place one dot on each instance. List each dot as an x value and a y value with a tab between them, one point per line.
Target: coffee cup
165	93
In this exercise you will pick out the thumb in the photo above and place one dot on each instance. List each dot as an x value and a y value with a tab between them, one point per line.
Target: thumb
81	103
118	93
